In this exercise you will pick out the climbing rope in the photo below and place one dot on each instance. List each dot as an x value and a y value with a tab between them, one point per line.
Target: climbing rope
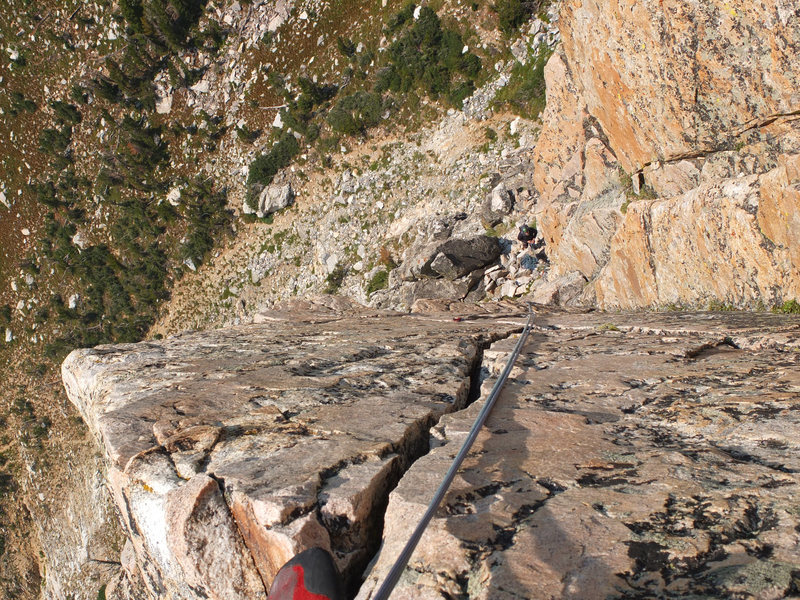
402	560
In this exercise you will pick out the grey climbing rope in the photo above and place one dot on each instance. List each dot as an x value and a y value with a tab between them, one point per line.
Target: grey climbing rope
402	560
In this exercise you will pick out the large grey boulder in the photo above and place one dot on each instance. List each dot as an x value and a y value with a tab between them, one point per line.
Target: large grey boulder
450	259
271	199
501	200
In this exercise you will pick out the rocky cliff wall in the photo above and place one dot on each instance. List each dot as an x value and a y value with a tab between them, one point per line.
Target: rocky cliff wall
230	451
630	455
667	160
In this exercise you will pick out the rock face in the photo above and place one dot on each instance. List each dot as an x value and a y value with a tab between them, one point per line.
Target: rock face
230	451
677	102
673	79
736	240
650	455
630	456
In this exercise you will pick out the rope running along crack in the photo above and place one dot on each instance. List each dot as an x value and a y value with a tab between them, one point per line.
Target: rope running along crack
402	560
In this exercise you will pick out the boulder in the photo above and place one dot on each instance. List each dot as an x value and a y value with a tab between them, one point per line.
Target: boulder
405	295
164	104
174	196
501	200
560	291
451	259
271	199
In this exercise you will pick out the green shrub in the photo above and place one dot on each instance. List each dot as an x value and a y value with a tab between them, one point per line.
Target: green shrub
525	90
790	307
312	95
65	113
214	36
461	92
346	46
645	191
429	57
264	168
379	281
78	94
512	13
355	113
20	104
5	314
132	12
247	135
399	19
208	218
719	306
54	141
106	89
335	279
166	22
6	486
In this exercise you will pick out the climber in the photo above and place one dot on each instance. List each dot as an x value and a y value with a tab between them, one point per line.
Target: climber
311	575
526	235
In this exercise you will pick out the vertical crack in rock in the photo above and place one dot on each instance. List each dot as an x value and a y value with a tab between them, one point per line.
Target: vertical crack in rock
478	374
353	497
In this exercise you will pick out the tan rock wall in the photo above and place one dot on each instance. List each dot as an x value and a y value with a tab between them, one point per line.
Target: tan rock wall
666	78
697	102
730	242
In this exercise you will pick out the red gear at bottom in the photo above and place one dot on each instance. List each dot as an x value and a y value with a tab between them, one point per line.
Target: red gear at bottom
311	575
292	587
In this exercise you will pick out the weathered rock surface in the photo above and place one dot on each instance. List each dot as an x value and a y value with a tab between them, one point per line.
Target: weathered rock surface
671	79
649	455
230	451
736	240
676	101
560	291
630	456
